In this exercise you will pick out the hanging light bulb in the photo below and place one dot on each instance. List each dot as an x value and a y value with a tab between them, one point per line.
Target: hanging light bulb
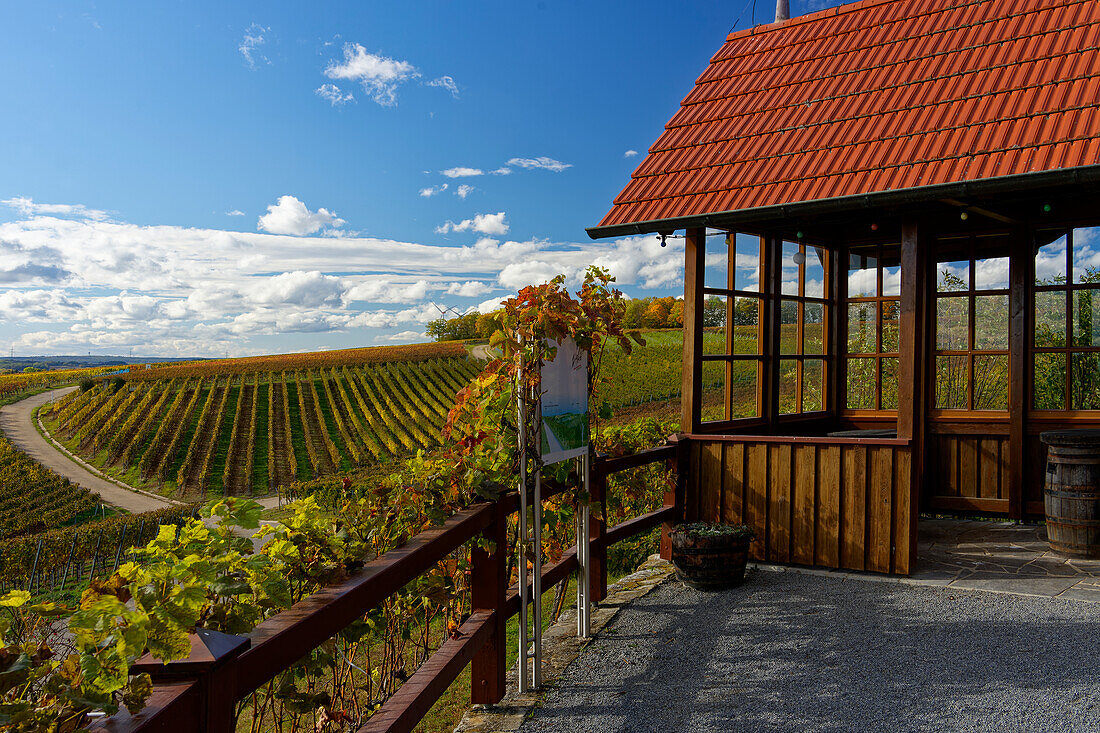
799	258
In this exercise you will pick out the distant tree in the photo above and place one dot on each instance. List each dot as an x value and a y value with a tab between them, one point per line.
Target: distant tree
453	329
676	314
656	315
486	324
714	312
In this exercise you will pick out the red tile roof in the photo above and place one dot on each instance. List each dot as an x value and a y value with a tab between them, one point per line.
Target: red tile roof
876	96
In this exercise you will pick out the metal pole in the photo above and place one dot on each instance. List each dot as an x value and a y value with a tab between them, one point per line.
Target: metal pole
584	592
523	539
536	581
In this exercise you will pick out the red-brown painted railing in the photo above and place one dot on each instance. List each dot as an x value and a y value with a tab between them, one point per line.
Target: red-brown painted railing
201	693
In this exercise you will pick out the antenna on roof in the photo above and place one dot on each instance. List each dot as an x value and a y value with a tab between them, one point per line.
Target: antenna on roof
782	10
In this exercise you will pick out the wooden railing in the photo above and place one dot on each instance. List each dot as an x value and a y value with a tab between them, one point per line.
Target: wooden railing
201	693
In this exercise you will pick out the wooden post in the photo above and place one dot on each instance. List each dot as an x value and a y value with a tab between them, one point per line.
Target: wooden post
691	390
674	495
1019	386
488	585
770	286
597	561
912	365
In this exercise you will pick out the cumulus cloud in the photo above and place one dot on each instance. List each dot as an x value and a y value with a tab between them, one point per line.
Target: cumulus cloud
630	153
484	223
290	216
28	273
489	305
468	289
234	212
445	82
380	76
541	162
406	336
462	172
27	207
335	96
503	171
462	191
382	290
310	289
433	190
254	38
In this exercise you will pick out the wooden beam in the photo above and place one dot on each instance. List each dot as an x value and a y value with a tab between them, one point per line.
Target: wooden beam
913	353
691	397
1019	386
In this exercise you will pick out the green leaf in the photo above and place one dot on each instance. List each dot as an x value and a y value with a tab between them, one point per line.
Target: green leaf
14	598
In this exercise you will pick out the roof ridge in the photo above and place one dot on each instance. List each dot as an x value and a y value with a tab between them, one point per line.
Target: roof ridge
851	7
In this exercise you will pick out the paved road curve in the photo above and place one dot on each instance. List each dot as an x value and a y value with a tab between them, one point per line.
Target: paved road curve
17	424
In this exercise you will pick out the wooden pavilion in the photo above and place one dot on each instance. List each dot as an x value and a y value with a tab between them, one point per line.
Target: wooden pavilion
892	268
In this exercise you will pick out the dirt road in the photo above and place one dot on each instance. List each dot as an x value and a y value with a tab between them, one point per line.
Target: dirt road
17	424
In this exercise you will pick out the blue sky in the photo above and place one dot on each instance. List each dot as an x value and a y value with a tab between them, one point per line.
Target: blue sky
209	178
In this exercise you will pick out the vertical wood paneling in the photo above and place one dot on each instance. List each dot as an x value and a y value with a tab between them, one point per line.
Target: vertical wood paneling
1004	488
733	484
710	482
804	505
779	503
968	466
880	490
904	522
950	458
756	496
691	511
853	511
989	467
827	542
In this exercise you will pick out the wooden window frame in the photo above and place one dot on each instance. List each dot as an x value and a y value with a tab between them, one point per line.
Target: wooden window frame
801	299
879	250
974	250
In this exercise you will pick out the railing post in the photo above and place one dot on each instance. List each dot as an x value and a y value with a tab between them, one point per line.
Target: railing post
212	665
597	524
488	586
674	495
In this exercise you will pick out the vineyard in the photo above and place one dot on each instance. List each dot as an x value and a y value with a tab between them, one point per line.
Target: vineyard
15	386
202	430
34	499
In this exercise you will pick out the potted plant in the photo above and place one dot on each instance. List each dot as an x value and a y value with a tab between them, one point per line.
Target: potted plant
710	556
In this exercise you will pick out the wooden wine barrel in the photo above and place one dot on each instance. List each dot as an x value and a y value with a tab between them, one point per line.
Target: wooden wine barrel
710	563
1072	492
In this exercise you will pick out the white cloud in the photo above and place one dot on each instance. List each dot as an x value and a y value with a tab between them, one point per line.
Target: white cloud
407	336
290	216
382	290
27	207
462	172
468	289
503	171
630	153
484	223
254	38
462	191
433	190
445	82
310	289
490	305
533	272
542	162
380	76
334	94
234	212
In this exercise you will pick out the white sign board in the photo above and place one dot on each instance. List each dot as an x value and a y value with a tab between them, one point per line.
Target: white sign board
564	421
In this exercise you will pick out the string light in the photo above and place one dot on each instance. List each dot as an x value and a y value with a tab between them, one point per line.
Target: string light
1046	208
964	216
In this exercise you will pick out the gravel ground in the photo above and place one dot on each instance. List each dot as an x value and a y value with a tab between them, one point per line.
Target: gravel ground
794	652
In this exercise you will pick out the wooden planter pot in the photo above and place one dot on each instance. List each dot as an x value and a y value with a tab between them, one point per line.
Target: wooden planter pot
1072	492
710	561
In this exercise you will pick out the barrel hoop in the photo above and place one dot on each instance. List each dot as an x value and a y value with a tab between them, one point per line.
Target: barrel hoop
1065	522
1069	491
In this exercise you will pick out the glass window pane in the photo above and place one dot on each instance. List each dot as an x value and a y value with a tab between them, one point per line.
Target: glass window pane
714	324
815	272
891	276
952	382
746	263
1050	261
1086	255
991	273
788	386
792	257
991	321
813	328
862	328
952	324
991	382
889	368
1086	382
714	391
743	377
861	384
862	276
1086	317
788	326
813	384
746	326
1050	382
716	269
953	276
1050	318
891	322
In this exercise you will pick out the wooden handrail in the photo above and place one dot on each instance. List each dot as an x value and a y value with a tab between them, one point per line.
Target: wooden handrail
280	641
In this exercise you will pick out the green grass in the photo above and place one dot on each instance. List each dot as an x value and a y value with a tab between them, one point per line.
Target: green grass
175	461
216	476
260	471
325	409
297	432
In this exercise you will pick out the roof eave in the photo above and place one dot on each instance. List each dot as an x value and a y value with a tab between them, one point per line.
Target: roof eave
921	194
